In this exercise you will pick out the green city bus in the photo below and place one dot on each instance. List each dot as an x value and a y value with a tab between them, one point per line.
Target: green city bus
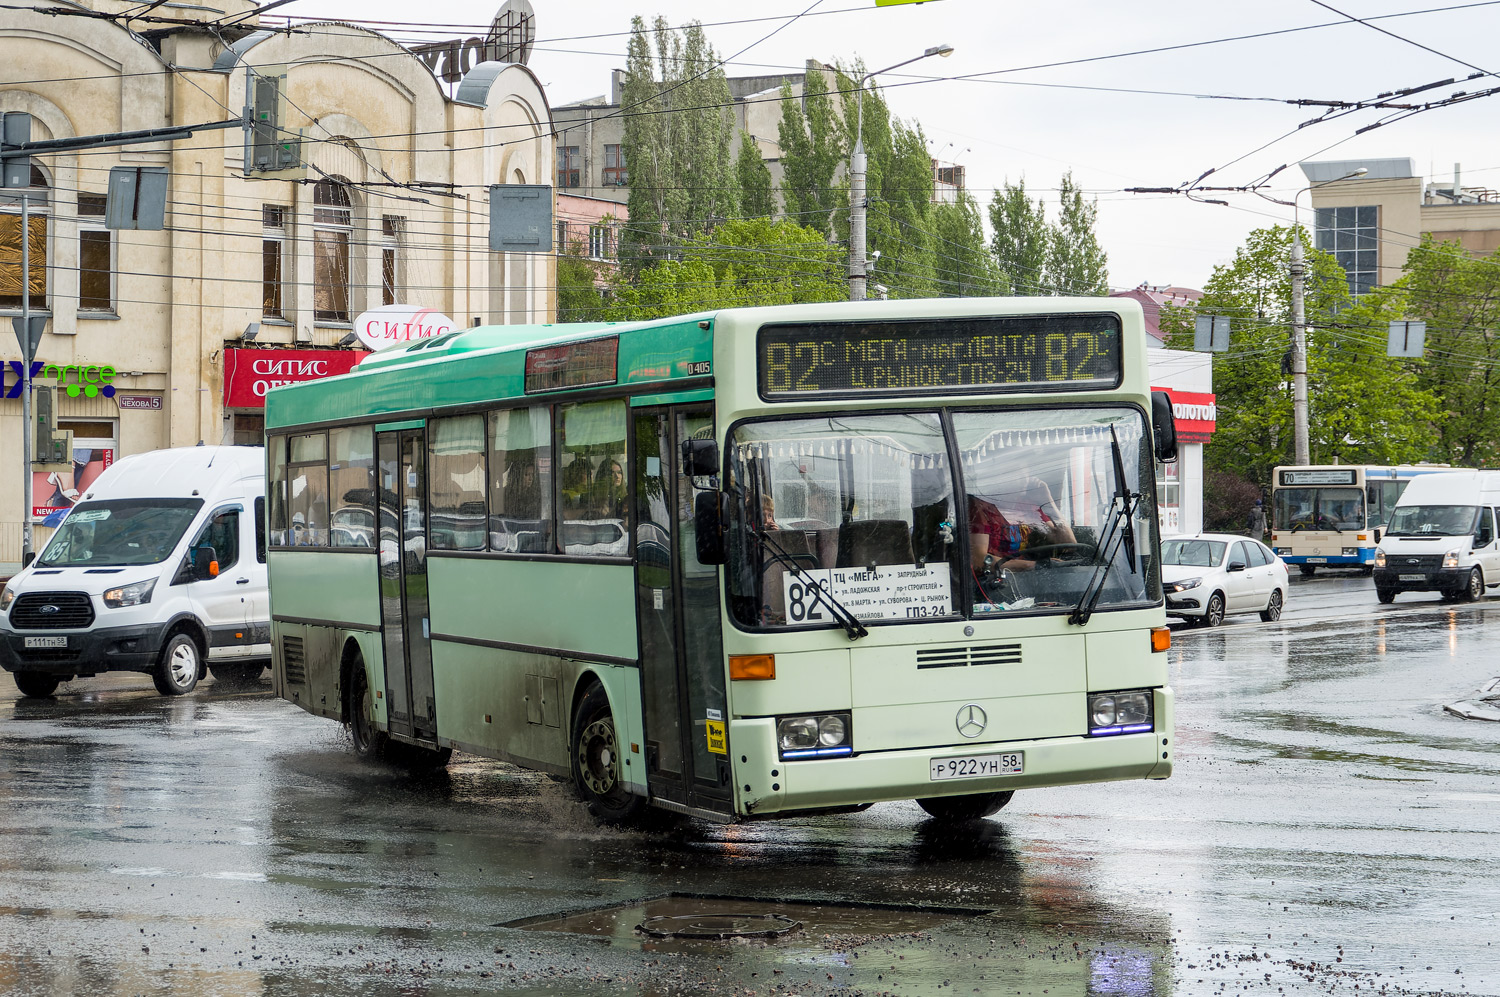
740	564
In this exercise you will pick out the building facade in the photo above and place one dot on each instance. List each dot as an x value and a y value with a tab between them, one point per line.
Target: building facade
1370	222
255	279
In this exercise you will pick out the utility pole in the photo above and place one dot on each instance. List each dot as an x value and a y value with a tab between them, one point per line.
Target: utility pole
858	202
1303	452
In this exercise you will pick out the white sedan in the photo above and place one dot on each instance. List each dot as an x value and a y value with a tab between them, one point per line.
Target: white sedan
1213	575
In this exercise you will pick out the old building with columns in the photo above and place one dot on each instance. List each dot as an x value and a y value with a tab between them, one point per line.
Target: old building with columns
253	279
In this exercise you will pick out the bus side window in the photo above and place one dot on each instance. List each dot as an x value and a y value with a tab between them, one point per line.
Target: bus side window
591	482
307	487
276	489
260	530
520	480
455	482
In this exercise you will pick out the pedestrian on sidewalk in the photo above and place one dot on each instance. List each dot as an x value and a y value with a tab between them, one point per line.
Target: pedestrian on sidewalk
1257	522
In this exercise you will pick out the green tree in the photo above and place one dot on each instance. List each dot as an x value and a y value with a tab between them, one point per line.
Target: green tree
811	153
1364	407
756	197
1021	238
962	261
579	298
1458	297
1076	264
677	131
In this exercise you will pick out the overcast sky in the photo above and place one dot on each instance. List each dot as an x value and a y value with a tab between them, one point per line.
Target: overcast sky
1116	120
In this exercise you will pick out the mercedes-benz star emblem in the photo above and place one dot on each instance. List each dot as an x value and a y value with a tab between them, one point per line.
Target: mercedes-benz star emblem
971	720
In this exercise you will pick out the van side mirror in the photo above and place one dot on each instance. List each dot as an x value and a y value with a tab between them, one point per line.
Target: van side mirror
1163	427
708	526
27	558
700	458
205	563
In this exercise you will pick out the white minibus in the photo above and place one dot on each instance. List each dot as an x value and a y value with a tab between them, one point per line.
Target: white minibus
1441	537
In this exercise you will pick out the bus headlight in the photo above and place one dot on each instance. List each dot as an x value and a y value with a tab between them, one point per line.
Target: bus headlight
821	735
1450	559
1350	551
129	595
1379	557
1127	712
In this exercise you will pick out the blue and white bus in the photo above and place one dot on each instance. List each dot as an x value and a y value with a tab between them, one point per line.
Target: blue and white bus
1332	515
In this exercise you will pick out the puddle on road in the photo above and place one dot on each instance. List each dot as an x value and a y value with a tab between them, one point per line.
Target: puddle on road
619	924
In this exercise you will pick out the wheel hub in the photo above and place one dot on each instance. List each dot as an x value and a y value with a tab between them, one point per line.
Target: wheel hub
599	761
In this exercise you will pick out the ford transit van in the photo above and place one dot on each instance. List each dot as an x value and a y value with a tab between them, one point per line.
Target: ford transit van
159	568
1441	537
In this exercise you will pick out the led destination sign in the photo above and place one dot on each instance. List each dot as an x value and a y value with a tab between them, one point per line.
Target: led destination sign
940	356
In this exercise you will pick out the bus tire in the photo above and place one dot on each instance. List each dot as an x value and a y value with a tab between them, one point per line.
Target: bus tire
1474	591
363	737
1307	570
976	806
597	761
179	667
1385	595
37	685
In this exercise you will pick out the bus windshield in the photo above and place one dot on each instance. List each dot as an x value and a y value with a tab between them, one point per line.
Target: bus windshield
1432	520
864	507
1318	509
121	532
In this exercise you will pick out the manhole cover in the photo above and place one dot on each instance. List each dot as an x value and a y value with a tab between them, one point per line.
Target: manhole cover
727	925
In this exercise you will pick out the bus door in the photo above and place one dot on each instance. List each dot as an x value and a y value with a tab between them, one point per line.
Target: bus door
403	583
677	602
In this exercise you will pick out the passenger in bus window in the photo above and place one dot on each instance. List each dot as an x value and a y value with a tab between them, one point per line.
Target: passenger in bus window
576	485
609	490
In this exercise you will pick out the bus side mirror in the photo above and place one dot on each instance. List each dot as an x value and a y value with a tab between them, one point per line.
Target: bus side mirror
205	564
1377	534
708	525
1163	427
700	458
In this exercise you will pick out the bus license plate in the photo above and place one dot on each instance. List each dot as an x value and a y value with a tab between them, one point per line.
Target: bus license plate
1412	578
46	642
1317	560
978	766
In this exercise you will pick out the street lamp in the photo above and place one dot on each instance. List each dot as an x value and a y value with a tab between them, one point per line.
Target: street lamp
1299	326
857	200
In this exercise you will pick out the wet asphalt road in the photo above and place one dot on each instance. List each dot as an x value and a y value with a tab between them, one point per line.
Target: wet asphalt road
1329	828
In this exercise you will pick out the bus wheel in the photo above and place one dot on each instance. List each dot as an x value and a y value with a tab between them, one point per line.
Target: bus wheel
37	685
597	762
1385	595
974	807
1306	569
178	668
367	741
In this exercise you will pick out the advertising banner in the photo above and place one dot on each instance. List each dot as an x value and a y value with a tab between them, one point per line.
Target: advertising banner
249	374
1195	412
53	493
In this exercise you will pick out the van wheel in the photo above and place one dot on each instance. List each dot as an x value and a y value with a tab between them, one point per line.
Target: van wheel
975	806
367	741
1475	589
179	666
37	685
1385	595
597	762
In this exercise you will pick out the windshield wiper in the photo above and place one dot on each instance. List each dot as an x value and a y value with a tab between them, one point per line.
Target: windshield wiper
846	619
1114	536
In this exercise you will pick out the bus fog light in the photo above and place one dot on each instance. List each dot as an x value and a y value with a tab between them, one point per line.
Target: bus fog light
1127	712
824	735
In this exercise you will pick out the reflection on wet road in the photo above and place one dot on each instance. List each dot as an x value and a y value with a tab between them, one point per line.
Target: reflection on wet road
1328	827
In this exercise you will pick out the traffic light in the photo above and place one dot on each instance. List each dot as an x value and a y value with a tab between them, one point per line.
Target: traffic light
270	148
54	450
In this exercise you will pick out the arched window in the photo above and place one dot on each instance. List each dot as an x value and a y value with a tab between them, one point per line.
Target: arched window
333	231
10	243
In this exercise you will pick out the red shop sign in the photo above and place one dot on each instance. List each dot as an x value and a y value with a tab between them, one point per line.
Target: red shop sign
1195	412
249	374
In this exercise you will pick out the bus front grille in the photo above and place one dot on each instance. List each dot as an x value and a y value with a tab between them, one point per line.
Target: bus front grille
963	656
293	662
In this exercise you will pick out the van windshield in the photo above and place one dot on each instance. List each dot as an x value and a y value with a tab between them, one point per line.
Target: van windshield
1432	520
120	532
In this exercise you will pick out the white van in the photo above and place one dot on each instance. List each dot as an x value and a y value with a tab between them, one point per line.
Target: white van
1441	537
159	568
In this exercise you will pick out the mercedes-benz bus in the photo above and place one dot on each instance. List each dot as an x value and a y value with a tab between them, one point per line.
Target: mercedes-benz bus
739	564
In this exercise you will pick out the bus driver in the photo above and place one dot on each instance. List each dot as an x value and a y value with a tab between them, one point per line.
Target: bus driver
999	541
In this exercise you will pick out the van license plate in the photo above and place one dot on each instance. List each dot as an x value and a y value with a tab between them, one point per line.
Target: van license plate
978	766
1412	578
46	642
